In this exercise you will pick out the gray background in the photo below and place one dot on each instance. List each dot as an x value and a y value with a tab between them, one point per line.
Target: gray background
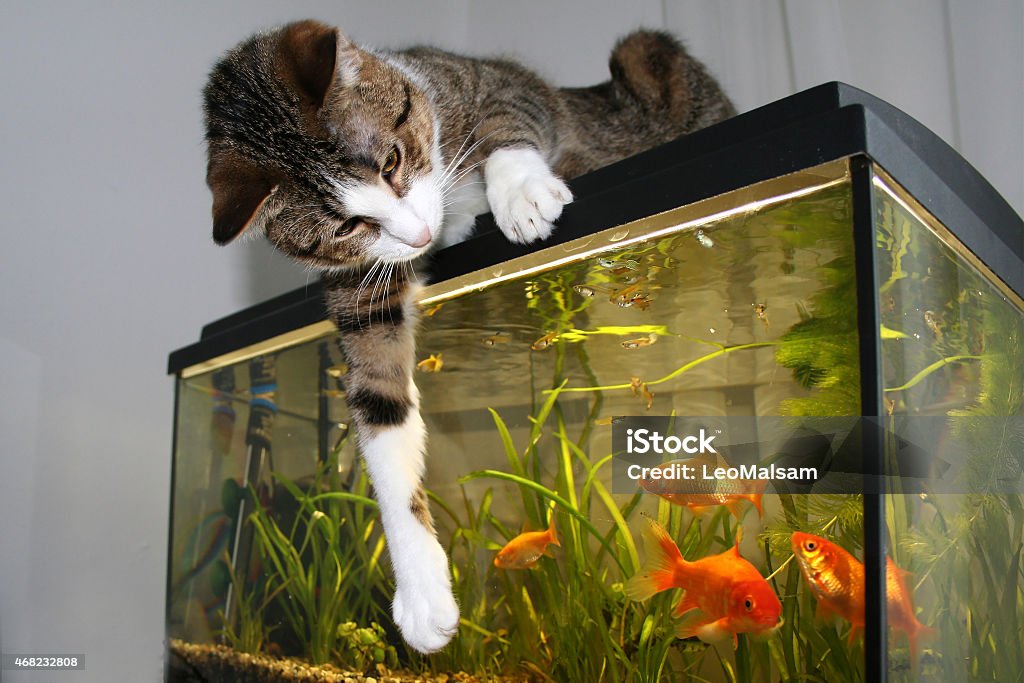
106	262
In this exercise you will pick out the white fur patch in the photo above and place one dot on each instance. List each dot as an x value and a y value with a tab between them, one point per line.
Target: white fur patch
525	196
409	224
465	201
424	607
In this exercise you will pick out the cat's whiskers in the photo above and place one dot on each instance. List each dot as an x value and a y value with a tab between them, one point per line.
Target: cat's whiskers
362	286
445	181
449	200
377	285
454	182
456	158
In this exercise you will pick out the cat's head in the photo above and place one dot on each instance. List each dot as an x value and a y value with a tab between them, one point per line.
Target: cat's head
328	149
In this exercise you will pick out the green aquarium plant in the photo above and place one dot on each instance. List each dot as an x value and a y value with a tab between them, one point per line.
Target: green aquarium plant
324	568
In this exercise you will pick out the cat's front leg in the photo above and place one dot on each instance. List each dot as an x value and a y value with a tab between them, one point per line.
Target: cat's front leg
377	334
524	195
424	608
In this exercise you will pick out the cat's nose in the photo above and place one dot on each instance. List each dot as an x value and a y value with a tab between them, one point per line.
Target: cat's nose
422	239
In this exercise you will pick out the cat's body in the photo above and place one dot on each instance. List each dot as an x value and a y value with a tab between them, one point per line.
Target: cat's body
358	162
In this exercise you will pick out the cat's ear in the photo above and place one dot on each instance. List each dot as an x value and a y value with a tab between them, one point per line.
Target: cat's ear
313	54
241	191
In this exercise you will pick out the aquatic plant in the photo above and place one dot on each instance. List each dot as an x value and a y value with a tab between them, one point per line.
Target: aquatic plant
323	569
364	649
249	631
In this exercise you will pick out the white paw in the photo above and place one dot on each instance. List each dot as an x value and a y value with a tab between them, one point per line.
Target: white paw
524	195
424	608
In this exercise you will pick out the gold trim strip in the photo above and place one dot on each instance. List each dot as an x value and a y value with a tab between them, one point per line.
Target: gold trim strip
689	217
885	182
281	341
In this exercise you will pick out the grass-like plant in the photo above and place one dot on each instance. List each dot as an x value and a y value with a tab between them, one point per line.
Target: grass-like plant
324	568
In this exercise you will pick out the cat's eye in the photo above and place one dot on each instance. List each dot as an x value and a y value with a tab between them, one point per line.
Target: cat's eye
348	226
390	163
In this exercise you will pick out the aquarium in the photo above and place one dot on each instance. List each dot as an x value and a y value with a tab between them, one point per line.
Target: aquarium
819	284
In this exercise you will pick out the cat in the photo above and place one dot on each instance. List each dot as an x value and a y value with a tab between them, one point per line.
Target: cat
356	162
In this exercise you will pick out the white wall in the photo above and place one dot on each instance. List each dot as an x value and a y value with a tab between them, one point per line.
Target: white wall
107	264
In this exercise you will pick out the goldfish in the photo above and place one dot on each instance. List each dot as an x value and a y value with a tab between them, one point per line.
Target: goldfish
836	579
642	341
728	594
523	551
699	493
545	341
432	364
496	339
433	309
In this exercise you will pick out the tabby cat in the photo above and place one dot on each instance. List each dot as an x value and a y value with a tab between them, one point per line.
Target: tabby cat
357	161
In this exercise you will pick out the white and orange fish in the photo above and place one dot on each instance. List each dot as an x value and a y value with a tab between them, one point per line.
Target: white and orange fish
725	593
523	551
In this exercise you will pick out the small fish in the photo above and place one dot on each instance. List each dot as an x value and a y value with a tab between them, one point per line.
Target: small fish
585	290
338	370
545	341
432	364
704	240
333	393
700	494
523	551
605	421
640	341
931	319
890	406
836	579
639	388
641	301
612	264
433	309
728	592
495	339
630	296
761	311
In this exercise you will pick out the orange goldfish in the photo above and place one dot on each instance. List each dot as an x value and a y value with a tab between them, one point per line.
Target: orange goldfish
836	579
728	593
523	551
699	493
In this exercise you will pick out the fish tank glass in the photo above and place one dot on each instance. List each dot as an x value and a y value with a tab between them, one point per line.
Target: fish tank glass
812	314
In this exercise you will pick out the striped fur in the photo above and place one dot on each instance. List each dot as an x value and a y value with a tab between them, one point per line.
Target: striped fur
353	161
